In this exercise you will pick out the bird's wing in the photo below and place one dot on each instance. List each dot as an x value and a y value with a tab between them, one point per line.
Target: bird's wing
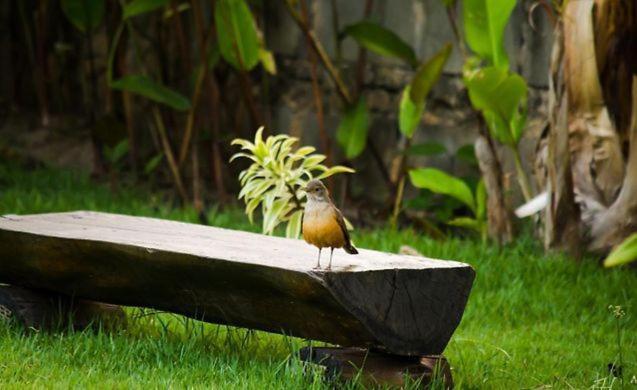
341	222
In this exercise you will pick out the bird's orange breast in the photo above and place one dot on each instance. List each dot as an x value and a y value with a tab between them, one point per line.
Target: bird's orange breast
321	229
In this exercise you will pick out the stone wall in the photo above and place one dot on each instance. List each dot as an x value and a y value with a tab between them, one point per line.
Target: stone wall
423	24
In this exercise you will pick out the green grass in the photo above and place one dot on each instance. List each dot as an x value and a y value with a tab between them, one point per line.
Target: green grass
533	319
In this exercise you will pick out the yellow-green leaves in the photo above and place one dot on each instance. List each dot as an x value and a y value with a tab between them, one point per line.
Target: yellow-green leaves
624	253
152	90
440	182
484	23
501	97
237	34
352	131
85	15
412	102
381	41
275	176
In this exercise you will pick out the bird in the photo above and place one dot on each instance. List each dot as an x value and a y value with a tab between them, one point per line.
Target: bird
323	225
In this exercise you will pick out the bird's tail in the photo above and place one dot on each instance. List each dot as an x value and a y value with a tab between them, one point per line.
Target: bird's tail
349	248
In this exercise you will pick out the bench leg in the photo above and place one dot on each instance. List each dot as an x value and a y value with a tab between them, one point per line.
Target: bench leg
378	368
44	310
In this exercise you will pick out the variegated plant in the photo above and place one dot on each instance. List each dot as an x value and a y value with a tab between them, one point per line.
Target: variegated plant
278	171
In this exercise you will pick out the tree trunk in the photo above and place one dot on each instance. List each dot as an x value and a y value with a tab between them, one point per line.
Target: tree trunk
591	153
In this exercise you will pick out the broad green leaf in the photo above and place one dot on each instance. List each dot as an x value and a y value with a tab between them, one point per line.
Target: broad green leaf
409	113
294	225
501	96
118	151
428	75
83	14
440	182
466	222
137	7
236	33
624	253
426	149
381	41
334	170
352	131
484	24
152	164
152	90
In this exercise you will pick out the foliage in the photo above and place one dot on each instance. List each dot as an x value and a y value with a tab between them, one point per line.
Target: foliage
237	34
624	253
499	94
138	7
352	131
275	177
501	97
85	15
484	23
146	87
382	41
412	103
115	154
440	182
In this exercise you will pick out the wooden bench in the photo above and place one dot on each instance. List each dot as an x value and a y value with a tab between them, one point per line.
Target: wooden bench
402	305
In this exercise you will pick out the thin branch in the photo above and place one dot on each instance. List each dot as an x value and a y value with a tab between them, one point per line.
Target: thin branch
170	157
322	54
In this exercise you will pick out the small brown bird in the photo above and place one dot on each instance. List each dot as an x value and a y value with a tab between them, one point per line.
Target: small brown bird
323	224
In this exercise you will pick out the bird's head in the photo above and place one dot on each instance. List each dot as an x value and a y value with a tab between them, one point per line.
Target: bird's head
316	191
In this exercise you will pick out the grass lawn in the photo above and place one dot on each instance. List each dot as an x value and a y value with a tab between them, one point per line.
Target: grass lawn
533	319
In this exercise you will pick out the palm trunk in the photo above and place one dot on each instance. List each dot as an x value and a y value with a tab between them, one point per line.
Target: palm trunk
591	158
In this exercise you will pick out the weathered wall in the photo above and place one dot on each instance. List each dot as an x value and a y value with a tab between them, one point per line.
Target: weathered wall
448	119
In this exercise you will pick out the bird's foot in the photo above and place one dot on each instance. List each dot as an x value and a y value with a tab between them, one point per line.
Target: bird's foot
317	267
329	268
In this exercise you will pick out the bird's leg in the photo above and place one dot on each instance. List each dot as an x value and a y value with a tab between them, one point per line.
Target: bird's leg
329	266
318	262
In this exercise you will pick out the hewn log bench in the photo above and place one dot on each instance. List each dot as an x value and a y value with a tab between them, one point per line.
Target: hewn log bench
403	305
